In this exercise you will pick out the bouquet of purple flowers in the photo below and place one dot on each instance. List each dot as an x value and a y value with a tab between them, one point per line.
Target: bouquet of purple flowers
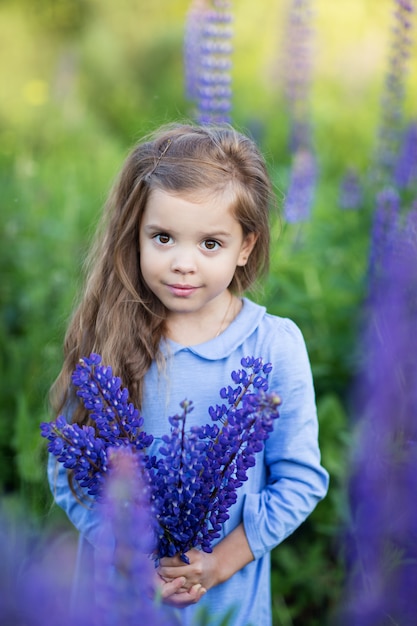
192	482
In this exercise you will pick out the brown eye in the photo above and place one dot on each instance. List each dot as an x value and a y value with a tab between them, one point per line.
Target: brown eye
211	244
163	238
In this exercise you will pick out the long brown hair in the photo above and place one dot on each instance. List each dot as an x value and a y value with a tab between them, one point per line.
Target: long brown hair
117	315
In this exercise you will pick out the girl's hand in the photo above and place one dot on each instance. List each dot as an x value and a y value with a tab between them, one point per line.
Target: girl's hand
202	570
205	570
174	593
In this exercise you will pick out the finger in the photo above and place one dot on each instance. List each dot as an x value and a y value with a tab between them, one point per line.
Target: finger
171	587
197	591
183	599
173	572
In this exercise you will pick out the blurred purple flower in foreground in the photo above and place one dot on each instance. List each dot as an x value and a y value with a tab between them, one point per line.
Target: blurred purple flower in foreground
35	577
382	546
207	59
125	574
36	569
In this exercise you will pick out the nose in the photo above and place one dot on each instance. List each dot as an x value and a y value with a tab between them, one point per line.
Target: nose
183	262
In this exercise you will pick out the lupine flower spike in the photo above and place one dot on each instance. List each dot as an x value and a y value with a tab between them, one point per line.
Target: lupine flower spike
194	27
383	235
297	63
301	191
298	71
207	59
117	423
392	104
405	174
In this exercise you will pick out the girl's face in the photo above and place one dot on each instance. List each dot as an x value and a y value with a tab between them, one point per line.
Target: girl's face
189	252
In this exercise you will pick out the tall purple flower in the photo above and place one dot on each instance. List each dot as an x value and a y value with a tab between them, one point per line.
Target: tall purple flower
298	72
207	59
383	235
125	574
392	104
405	174
194	27
382	546
302	185
297	86
116	423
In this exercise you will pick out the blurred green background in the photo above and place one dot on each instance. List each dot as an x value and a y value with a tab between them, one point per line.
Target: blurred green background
81	81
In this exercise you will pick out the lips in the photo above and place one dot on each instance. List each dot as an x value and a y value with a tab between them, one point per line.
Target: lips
182	291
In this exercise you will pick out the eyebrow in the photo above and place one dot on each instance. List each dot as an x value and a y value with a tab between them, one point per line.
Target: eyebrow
157	228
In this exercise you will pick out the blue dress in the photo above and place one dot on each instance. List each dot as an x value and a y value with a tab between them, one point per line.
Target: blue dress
287	481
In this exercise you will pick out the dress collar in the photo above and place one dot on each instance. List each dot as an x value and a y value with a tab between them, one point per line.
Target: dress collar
244	324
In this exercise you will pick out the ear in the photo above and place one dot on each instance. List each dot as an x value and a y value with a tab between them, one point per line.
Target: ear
246	248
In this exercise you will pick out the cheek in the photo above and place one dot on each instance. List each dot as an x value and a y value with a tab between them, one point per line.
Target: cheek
144	260
150	261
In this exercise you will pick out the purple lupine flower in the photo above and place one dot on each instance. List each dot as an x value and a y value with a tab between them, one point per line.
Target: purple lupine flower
175	478
383	235
393	95
297	85
116	419
36	570
298	72
125	574
232	452
406	166
246	424
192	41
207	57
301	191
382	543
78	449
117	423
351	191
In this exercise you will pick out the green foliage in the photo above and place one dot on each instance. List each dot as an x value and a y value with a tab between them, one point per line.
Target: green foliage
49	196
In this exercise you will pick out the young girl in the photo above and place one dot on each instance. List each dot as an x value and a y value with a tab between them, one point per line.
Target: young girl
184	234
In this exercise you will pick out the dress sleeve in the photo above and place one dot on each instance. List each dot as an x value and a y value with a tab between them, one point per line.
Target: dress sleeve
296	481
82	514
